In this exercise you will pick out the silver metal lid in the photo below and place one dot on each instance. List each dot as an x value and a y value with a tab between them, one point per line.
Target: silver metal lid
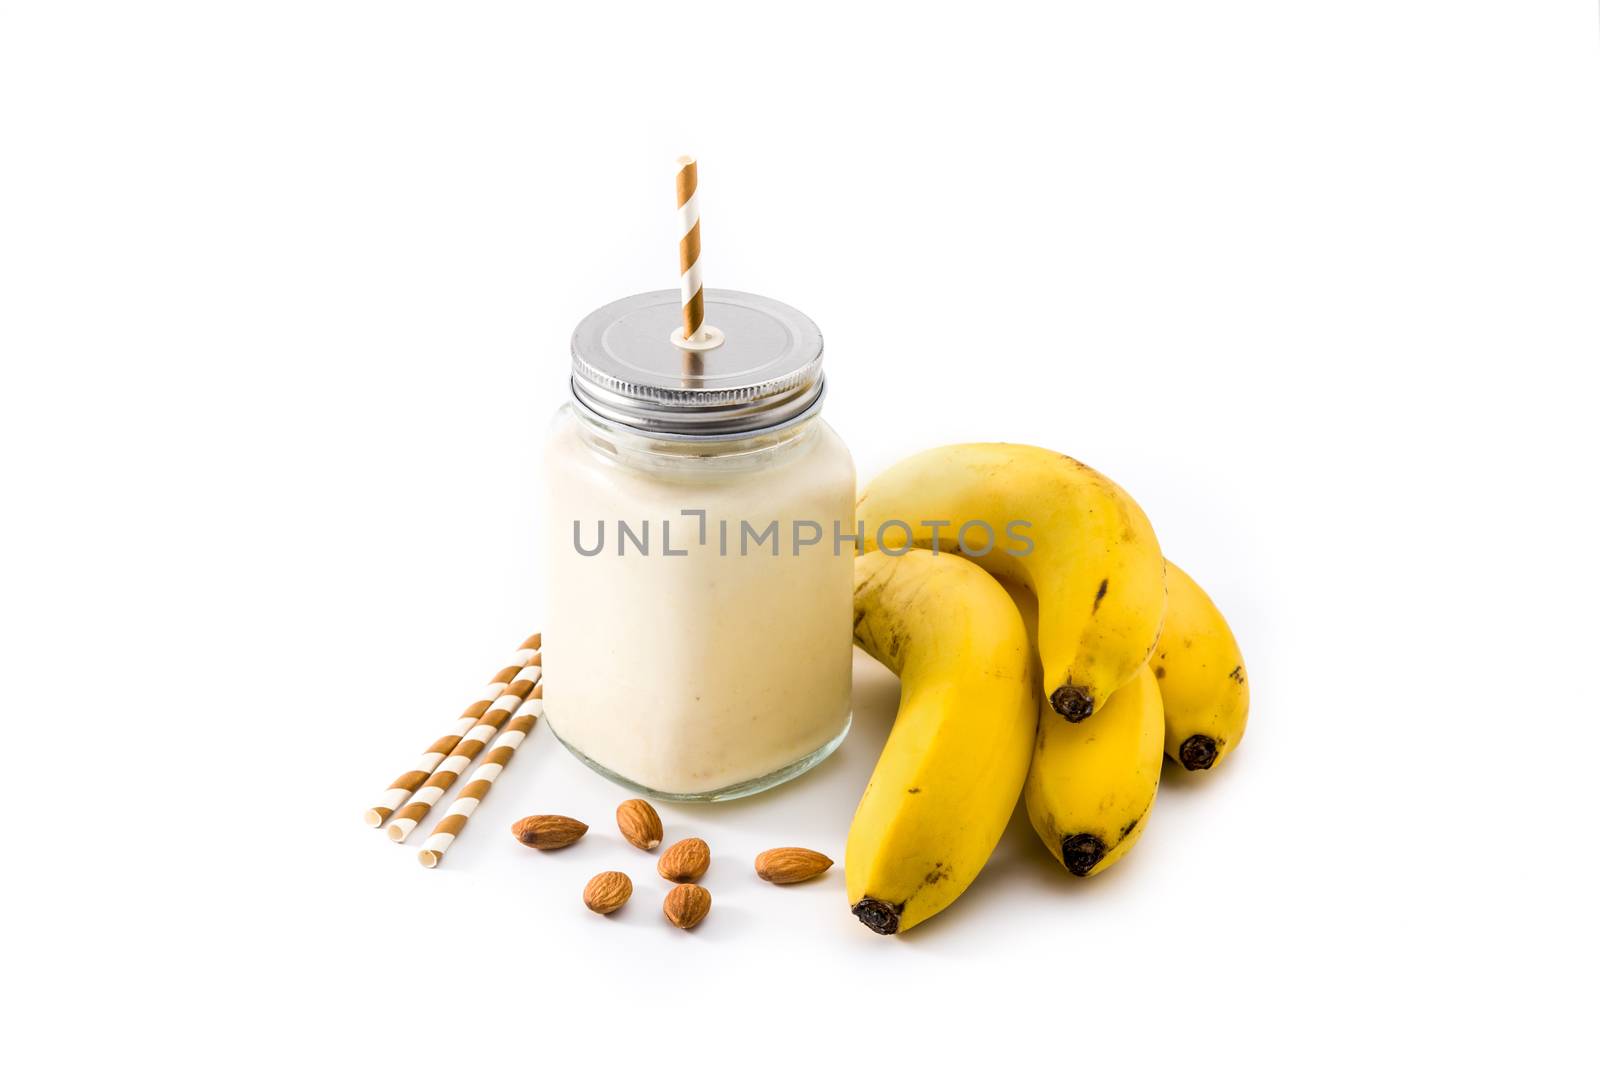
766	372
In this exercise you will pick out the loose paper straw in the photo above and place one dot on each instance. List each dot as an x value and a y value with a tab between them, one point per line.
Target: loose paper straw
401	788
477	786
466	750
694	305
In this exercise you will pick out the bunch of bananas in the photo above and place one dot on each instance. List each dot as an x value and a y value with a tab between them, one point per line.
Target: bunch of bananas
1058	666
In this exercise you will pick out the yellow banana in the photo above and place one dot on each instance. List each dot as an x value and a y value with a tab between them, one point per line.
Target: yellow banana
1048	522
1201	673
1091	784
952	769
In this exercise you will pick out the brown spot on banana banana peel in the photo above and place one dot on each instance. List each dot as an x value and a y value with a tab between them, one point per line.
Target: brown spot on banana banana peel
1237	674
1198	753
1100	595
1081	852
1161	672
1072	702
878	916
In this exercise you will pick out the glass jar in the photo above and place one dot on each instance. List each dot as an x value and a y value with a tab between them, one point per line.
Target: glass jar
701	528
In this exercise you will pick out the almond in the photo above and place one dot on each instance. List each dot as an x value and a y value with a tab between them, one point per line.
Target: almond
686	905
785	866
545	832
639	823
607	891
685	861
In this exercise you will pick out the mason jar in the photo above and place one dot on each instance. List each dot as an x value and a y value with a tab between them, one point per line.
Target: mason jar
699	547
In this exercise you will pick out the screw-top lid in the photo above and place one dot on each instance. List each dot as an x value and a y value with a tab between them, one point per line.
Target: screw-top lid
764	371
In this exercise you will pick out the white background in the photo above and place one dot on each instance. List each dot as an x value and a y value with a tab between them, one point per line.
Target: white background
285	292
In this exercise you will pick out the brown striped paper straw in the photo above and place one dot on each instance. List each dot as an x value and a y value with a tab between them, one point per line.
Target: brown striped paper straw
465	751
477	787
694	302
401	788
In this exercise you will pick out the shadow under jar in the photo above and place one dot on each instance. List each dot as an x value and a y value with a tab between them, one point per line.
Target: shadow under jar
701	529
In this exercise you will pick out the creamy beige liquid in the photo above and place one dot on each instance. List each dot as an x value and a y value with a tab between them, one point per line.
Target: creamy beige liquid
692	674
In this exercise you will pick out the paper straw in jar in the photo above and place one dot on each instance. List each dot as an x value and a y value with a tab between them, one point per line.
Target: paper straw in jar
694	305
465	751
477	787
401	788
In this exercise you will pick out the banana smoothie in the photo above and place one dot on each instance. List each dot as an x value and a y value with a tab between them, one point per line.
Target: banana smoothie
699	540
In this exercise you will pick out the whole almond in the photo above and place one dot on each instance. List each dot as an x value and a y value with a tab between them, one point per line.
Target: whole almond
639	823
545	832
686	905
685	861
607	891
785	866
